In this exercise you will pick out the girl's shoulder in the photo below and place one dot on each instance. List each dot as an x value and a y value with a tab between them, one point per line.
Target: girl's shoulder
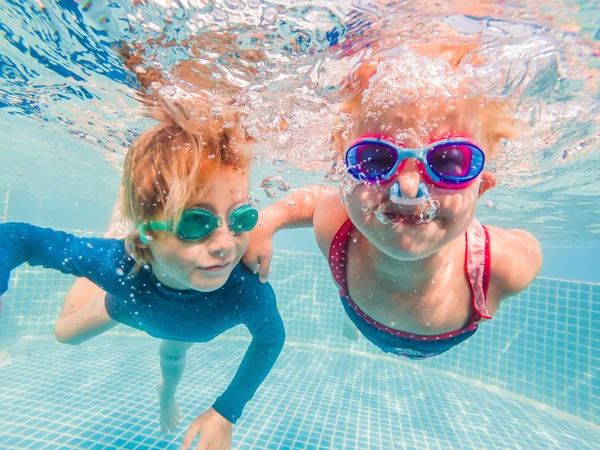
330	214
516	259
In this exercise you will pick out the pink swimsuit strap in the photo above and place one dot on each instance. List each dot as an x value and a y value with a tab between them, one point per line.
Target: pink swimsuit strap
477	269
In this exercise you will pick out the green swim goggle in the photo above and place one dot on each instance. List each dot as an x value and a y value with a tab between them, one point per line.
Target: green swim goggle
195	224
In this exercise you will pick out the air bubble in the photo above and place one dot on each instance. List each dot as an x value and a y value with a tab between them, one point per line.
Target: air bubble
275	181
219	15
270	15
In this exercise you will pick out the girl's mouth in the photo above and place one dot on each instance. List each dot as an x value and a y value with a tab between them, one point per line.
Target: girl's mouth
418	216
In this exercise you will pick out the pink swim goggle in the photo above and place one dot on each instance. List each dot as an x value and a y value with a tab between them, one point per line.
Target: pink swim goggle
452	162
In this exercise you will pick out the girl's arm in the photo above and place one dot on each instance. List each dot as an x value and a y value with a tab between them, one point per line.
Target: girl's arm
294	211
516	258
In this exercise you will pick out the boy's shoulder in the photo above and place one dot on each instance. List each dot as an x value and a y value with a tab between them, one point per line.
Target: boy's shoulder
516	259
330	214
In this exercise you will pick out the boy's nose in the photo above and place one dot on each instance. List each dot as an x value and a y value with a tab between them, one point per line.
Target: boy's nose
221	242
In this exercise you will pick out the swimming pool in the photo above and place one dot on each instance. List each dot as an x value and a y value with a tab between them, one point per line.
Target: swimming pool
528	379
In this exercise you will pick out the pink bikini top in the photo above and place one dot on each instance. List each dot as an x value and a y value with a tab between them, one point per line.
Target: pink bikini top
477	273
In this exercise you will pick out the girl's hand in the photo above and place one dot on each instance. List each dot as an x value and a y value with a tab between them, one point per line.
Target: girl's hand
259	252
215	432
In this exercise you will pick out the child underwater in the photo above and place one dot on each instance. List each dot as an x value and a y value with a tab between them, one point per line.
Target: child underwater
178	276
417	273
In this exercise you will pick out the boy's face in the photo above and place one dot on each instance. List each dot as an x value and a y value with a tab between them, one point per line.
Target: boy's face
205	265
399	236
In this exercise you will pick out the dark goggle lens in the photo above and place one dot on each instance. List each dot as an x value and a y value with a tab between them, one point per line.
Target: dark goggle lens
374	160
196	225
452	160
243	219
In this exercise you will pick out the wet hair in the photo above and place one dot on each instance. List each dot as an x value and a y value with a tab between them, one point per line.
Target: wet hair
168	166
430	90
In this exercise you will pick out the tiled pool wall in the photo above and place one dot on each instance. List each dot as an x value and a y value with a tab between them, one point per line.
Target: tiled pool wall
543	344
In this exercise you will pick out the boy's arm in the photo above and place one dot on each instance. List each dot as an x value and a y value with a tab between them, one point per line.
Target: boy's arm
83	290
268	335
103	261
90	320
516	258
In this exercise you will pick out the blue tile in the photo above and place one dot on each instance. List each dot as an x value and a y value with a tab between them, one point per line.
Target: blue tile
544	359
97	446
11	442
53	446
26	443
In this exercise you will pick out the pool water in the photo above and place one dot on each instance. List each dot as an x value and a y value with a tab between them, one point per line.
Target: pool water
528	379
102	395
524	381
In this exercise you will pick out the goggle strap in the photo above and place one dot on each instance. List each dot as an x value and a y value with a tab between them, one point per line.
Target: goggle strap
153	225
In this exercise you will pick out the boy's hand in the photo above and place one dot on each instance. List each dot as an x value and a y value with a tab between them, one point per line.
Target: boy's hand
215	432
259	252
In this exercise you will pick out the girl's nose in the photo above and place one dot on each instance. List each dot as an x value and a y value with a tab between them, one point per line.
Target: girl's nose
409	178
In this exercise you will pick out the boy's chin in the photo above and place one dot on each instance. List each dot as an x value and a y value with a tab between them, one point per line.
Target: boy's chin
205	284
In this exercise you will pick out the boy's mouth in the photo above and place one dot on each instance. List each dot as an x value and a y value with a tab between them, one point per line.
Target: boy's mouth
216	267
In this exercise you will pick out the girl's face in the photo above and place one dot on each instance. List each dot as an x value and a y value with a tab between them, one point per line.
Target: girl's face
398	235
205	265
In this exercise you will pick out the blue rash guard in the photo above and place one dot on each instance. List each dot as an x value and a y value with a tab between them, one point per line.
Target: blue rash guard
140	301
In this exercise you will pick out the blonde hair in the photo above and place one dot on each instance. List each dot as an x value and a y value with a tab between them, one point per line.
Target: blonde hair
440	104
168	166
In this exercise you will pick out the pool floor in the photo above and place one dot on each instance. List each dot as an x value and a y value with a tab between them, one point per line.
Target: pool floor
102	395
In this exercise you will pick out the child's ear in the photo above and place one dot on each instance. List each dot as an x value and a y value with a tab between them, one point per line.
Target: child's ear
137	241
139	250
488	181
